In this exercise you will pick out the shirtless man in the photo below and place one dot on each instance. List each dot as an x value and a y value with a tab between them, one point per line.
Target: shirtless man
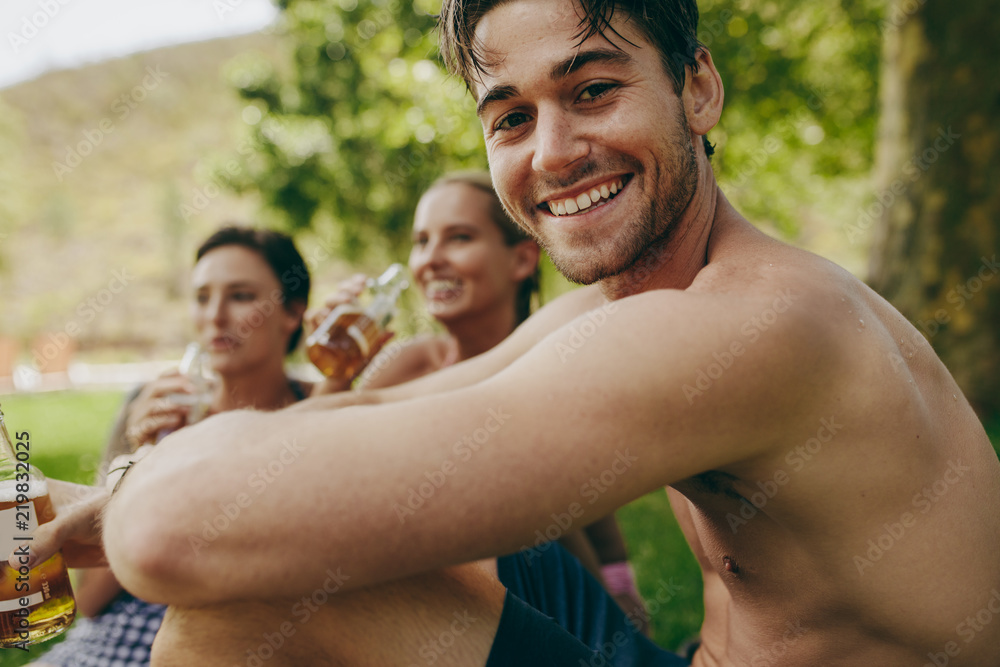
832	480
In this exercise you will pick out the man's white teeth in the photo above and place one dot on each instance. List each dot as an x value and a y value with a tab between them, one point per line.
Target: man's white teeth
585	199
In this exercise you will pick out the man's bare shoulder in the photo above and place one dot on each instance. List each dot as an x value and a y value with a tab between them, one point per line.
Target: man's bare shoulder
782	288
738	346
569	305
743	260
551	317
760	290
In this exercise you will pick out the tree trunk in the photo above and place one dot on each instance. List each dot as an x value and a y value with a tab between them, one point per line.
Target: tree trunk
935	254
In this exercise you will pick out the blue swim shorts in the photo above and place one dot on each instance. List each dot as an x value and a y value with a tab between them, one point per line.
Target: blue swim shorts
557	615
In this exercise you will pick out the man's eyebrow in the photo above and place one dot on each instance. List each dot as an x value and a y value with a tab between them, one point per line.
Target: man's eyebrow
560	70
580	60
495	94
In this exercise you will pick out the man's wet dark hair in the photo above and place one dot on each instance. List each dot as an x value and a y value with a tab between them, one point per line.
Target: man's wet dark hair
280	253
670	25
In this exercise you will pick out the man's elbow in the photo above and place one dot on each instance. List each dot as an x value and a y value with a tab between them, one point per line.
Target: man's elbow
149	556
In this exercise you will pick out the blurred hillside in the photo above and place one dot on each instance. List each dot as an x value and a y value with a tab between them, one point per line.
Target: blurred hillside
108	182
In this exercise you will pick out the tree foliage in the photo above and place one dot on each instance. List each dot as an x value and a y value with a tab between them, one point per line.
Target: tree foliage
359	120
801	102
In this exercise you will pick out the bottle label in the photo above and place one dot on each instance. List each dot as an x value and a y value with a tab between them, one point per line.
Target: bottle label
18	521
15	603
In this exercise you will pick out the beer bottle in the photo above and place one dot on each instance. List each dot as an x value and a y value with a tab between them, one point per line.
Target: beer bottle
196	366
35	604
348	338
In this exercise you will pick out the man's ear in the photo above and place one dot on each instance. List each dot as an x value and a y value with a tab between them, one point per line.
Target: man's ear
525	262
703	94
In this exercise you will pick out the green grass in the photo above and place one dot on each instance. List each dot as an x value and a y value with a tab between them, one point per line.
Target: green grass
668	575
993	431
68	429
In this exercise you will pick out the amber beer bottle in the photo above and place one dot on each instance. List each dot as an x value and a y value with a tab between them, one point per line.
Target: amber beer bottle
346	340
35	604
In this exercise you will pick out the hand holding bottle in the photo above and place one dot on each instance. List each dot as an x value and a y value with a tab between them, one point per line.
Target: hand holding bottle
173	400
36	597
196	367
349	291
76	528
350	335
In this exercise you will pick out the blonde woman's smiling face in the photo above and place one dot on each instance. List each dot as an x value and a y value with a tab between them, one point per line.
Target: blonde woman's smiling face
459	258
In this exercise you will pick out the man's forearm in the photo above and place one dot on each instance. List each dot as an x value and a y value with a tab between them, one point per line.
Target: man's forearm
344	399
265	505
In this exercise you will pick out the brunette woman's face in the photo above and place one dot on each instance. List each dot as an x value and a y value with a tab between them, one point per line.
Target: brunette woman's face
238	310
459	258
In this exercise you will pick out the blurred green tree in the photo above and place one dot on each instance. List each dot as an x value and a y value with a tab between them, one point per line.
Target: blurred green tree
358	121
937	208
801	104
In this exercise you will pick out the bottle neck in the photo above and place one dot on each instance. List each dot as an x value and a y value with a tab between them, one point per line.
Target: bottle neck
386	291
383	307
11	467
6	444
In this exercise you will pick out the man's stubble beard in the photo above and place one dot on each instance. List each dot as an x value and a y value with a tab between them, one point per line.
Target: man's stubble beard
651	231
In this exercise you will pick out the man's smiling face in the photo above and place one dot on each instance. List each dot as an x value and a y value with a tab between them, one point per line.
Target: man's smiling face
588	144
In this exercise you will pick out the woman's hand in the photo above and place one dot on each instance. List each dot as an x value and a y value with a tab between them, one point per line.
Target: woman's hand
153	410
347	292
